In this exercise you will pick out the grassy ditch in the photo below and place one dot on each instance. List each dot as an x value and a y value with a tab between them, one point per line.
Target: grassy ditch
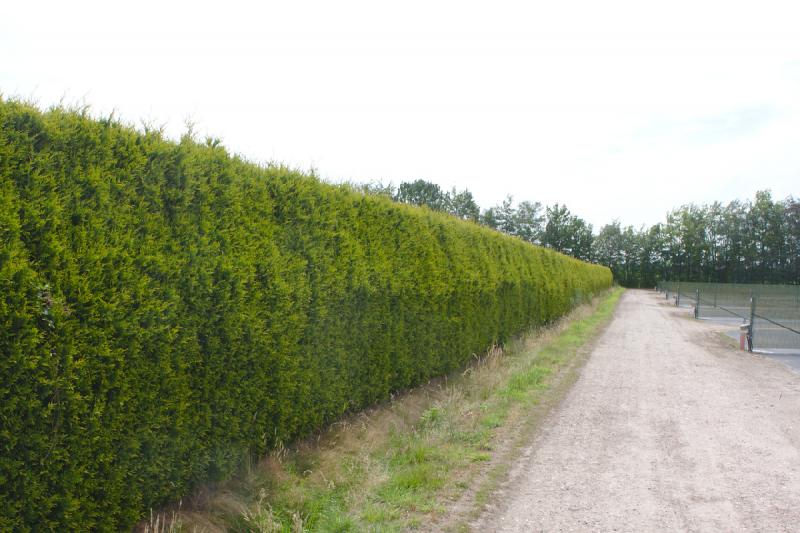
429	459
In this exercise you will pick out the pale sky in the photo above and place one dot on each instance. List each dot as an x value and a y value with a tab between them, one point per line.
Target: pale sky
621	110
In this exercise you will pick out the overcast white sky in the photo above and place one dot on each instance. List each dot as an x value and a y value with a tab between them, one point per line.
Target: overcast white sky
618	109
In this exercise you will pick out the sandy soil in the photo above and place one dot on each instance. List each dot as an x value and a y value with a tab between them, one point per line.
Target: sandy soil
668	428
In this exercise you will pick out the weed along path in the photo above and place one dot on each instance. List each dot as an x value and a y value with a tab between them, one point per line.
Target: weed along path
667	428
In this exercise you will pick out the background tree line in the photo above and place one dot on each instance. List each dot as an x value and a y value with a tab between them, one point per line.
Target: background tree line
752	241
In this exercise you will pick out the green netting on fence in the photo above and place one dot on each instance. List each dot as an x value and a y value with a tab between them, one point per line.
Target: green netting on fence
773	310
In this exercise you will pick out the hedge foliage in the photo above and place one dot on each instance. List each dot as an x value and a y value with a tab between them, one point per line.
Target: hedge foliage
166	308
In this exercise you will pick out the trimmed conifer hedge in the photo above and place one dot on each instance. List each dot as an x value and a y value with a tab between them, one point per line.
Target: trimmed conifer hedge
166	308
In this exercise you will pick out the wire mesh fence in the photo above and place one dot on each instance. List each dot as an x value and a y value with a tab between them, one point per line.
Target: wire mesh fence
771	311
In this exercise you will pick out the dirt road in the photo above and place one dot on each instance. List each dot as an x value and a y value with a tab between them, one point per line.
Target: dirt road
668	428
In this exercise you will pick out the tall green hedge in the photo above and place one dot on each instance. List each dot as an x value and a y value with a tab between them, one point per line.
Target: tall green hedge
166	308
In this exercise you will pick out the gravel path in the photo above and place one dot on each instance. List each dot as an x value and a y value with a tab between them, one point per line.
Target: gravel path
668	428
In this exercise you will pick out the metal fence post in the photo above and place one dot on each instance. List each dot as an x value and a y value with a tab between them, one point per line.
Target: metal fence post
697	303
752	319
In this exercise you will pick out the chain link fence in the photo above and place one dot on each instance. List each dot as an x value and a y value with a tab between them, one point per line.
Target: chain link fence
771	311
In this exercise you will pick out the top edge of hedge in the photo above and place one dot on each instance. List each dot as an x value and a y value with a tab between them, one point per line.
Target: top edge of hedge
166	308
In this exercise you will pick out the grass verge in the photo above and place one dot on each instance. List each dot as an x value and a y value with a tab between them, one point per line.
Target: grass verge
427	460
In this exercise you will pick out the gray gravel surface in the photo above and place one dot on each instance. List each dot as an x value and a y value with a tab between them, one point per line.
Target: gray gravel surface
668	428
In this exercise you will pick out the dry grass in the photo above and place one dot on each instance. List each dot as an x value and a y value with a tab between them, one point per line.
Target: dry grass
163	522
